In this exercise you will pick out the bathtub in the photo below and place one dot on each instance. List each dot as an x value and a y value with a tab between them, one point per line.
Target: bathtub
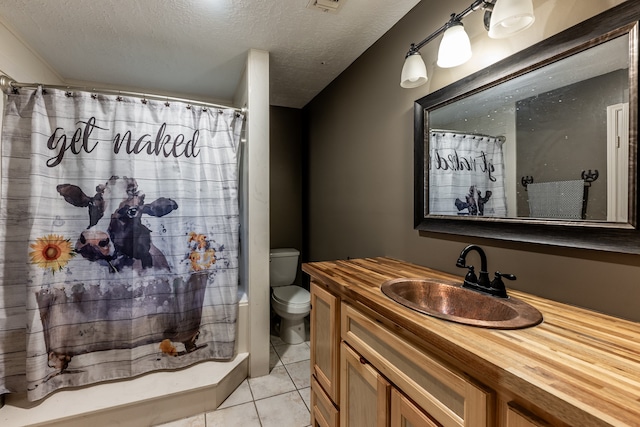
89	317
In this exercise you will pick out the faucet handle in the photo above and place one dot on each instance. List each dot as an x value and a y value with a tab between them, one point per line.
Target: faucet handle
497	285
505	275
471	275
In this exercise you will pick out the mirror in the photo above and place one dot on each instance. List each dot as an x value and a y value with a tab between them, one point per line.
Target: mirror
540	147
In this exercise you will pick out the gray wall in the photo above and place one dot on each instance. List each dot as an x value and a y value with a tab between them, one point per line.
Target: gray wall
285	178
360	166
569	136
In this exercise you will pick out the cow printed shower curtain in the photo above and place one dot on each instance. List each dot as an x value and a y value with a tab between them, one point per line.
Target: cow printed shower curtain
119	237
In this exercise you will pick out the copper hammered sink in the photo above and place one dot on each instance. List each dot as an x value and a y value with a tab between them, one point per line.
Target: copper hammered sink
452	302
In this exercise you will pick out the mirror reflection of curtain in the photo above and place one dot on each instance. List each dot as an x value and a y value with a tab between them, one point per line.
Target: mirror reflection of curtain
466	174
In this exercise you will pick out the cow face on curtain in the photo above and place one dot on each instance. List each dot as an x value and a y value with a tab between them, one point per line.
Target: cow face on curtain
125	241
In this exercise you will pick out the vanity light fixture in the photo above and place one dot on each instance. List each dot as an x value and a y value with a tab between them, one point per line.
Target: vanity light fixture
509	17
502	18
455	47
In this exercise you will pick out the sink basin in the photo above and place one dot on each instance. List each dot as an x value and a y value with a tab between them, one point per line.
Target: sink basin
452	302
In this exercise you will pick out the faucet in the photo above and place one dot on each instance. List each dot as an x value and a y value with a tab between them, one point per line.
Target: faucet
482	283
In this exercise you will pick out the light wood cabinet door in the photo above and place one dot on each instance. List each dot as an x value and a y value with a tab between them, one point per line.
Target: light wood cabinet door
364	393
323	411
404	413
325	340
519	417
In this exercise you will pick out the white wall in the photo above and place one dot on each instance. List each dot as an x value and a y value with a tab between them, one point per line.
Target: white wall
254	239
19	62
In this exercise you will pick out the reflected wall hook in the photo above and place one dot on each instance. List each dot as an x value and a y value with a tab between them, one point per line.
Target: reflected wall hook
589	177
526	180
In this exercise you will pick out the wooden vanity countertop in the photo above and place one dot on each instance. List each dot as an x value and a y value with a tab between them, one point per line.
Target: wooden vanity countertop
579	365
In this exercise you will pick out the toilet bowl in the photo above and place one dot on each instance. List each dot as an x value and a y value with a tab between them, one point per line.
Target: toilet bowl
291	302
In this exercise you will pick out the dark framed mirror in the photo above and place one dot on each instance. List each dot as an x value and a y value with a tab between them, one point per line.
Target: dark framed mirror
541	147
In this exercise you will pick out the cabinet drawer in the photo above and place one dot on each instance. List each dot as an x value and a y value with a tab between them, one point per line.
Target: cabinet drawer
450	397
323	413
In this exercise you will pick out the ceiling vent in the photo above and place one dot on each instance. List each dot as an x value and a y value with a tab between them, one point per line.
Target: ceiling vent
331	6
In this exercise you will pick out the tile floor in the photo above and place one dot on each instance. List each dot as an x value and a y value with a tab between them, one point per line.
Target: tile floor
280	399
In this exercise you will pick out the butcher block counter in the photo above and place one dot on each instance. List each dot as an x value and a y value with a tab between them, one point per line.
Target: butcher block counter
577	367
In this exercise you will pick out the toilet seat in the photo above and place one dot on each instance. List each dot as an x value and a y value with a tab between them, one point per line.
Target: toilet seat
292	296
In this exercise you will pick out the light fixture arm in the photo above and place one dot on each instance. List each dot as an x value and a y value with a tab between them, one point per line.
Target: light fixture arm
502	18
488	10
477	4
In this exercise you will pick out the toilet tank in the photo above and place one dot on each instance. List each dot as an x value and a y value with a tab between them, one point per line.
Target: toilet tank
283	266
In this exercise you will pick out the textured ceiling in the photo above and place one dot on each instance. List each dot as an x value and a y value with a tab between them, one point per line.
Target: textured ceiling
199	47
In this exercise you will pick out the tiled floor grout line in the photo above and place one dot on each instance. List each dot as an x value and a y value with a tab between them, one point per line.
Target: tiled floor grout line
291	378
255	407
264	398
253	400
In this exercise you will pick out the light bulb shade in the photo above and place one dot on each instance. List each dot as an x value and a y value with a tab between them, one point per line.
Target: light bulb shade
455	47
414	72
509	17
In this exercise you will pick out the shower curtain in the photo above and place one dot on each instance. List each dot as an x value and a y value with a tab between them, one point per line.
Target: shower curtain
119	230
466	174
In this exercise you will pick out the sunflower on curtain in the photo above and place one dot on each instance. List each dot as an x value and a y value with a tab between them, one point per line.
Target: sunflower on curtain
120	228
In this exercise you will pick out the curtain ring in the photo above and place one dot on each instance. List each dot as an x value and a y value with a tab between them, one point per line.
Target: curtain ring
188	107
94	96
144	99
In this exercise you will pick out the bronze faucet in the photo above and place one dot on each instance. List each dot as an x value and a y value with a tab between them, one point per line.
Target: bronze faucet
482	284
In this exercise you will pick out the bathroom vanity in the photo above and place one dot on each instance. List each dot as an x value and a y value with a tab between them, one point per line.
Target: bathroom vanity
375	362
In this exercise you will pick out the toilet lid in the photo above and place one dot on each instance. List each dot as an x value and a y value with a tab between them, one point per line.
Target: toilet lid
293	295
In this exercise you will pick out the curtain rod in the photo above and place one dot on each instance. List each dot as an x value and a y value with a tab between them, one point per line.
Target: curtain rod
7	83
501	138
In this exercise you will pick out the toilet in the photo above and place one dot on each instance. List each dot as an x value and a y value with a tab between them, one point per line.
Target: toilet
291	302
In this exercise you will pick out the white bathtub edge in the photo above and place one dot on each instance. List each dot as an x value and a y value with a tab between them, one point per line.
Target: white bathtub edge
150	399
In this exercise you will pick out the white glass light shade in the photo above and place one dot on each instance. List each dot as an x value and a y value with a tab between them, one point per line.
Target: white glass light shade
455	47
414	72
509	17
